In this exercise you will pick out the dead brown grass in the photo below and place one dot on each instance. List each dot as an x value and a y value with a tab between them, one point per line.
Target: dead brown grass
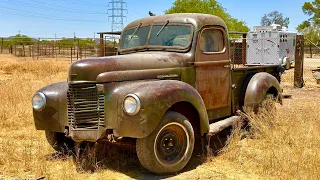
285	145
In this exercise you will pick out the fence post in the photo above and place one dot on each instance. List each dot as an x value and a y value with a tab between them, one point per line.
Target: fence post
298	67
53	51
78	49
310	47
71	54
38	47
24	51
101	45
1	45
244	48
30	50
15	49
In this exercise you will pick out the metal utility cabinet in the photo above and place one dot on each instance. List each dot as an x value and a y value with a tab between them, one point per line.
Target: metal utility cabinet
270	45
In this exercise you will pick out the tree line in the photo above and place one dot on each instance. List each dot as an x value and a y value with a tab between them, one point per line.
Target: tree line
64	42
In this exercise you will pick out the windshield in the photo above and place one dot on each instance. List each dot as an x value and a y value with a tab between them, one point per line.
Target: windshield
134	37
178	36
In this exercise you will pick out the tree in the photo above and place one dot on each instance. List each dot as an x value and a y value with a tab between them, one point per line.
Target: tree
21	40
275	18
312	9
208	7
311	27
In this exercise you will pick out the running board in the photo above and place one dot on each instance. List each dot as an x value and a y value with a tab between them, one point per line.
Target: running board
219	126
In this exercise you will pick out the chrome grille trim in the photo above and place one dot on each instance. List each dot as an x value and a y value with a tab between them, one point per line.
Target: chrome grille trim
85	107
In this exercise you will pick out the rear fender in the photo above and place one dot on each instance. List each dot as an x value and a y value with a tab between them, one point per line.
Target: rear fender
156	98
258	87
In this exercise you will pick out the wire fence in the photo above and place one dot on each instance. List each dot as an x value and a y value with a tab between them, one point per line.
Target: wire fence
60	48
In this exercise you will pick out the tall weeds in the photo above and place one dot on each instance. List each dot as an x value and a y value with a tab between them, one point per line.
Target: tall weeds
280	142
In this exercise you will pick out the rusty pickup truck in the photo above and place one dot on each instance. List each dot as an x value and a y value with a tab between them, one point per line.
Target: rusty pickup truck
171	81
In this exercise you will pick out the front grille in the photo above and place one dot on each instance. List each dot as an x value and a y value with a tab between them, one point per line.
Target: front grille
85	107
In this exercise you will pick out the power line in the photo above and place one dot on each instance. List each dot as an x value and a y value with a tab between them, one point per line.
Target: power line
87	3
117	14
40	16
53	7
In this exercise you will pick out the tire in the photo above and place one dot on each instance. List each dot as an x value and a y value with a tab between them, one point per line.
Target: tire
169	147
60	142
288	64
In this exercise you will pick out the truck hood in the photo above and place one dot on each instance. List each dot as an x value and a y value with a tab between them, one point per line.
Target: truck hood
89	69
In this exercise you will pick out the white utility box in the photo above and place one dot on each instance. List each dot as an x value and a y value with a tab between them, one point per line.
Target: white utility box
270	45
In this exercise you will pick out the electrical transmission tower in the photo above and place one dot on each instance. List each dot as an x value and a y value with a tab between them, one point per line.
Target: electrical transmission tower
117	10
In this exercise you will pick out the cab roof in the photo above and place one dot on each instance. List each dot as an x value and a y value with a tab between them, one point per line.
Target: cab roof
197	19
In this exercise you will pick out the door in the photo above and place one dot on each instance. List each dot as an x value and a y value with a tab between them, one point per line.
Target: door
213	73
254	48
270	48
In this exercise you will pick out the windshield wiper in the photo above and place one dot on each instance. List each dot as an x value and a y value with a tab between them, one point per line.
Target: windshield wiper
163	27
134	33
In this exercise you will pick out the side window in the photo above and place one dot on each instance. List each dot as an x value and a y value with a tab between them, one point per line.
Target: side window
212	40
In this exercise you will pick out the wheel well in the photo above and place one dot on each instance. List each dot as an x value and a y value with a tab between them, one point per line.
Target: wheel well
190	112
272	90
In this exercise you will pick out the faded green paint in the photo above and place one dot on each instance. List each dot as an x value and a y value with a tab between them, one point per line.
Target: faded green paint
188	75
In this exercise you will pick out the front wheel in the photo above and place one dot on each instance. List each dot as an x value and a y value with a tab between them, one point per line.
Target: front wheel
169	147
60	142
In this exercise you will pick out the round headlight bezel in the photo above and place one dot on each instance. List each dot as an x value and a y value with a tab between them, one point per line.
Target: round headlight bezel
43	101
137	101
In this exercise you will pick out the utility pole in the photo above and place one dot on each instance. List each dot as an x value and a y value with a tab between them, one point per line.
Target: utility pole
117	9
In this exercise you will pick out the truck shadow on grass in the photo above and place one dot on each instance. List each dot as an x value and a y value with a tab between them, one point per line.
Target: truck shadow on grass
107	156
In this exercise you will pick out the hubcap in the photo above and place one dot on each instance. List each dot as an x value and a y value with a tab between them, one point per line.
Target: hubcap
172	143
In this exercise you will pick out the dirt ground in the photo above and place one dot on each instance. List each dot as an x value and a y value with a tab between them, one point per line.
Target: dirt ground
288	150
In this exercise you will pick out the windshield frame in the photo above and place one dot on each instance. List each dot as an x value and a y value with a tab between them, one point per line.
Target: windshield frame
157	47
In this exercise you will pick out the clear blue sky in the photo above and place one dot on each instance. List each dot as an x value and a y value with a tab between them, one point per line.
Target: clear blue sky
38	18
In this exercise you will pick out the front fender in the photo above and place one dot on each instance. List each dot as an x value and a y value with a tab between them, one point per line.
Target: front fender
54	116
258	87
156	98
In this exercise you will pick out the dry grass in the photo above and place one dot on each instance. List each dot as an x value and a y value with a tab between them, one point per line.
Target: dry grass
285	145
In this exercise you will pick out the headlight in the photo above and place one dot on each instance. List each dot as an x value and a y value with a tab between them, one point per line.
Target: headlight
39	101
131	104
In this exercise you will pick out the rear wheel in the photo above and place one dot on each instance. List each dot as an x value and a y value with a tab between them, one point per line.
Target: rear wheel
169	147
60	142
269	102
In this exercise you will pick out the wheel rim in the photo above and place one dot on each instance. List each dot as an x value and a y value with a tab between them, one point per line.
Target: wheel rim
172	144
